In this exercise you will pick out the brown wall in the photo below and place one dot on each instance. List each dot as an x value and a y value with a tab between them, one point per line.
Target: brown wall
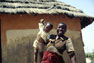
26	21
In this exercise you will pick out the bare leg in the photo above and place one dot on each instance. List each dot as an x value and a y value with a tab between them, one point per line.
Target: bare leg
35	55
41	55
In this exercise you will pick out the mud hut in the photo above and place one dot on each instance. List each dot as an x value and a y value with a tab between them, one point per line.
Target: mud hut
19	19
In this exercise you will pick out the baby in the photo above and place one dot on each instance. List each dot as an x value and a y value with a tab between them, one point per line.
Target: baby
41	39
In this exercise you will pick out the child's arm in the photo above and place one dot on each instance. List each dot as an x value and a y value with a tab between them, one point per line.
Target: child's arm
41	24
43	21
51	40
40	39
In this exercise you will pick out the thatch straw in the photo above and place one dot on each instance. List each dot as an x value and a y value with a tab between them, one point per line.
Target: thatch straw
35	6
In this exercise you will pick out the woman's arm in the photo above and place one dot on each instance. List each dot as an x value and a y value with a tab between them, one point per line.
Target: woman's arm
72	57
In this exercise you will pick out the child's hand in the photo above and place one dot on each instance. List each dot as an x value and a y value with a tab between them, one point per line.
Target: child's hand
42	21
52	40
51	43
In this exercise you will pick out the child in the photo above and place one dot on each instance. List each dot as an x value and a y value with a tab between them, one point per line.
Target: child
41	39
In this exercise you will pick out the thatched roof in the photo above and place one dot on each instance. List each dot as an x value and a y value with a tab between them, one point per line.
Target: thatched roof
30	6
40	7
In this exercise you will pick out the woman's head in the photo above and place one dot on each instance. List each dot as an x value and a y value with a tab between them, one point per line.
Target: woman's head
61	29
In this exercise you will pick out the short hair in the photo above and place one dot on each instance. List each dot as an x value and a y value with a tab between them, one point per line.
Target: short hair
65	26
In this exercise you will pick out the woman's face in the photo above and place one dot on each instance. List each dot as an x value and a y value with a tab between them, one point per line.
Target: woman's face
61	29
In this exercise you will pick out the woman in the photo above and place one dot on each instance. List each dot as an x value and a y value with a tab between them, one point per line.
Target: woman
57	45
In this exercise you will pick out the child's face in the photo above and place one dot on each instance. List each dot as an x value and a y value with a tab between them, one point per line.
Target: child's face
48	28
61	29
